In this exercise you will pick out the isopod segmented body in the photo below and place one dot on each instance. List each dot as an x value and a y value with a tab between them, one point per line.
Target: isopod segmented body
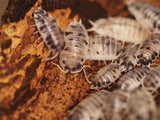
133	78
105	76
128	59
152	81
116	105
148	51
145	13
91	108
49	30
103	48
141	106
73	56
124	29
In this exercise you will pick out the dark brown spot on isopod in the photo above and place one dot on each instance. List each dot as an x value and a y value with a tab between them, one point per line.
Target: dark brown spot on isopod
67	33
49	40
53	21
43	27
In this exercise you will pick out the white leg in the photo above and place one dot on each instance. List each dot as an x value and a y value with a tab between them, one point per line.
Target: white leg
32	25
50	58
39	44
35	32
60	67
38	38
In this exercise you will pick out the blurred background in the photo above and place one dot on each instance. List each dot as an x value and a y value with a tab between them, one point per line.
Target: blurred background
3	5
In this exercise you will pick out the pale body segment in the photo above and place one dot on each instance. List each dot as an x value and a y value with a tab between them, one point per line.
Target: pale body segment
105	76
152	81
148	51
116	105
141	106
103	48
73	56
91	108
133	78
124	29
146	13
49	30
128	59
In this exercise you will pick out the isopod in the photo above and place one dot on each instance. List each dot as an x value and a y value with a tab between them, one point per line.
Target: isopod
148	51
116	105
103	48
105	76
152	81
91	108
145	13
73	56
141	106
50	31
133	78
128	59
124	29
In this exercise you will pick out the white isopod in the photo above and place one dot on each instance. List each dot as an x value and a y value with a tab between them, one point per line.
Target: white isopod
133	79
103	48
148	51
73	56
128	59
105	76
91	108
124	29
116	105
50	31
145	13
152	81
141	106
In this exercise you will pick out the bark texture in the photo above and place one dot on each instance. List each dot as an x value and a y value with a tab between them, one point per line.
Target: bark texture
34	90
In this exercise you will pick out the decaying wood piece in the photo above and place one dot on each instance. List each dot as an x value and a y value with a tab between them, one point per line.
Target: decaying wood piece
35	89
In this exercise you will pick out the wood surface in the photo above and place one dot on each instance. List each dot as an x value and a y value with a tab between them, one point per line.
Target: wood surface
31	89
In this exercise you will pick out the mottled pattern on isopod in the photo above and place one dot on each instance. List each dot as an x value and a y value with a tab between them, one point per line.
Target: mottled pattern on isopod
148	51
152	81
49	30
105	76
124	29
146	13
116	105
91	108
128	59
73	56
103	48
141	106
133	79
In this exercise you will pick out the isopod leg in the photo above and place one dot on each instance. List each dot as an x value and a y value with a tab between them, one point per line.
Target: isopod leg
39	44
60	67
50	58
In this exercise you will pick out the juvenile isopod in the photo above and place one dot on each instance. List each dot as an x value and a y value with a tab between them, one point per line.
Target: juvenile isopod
73	56
146	13
103	48
91	108
116	105
141	106
124	29
50	31
128	59
148	51
133	78
105	76
152	81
